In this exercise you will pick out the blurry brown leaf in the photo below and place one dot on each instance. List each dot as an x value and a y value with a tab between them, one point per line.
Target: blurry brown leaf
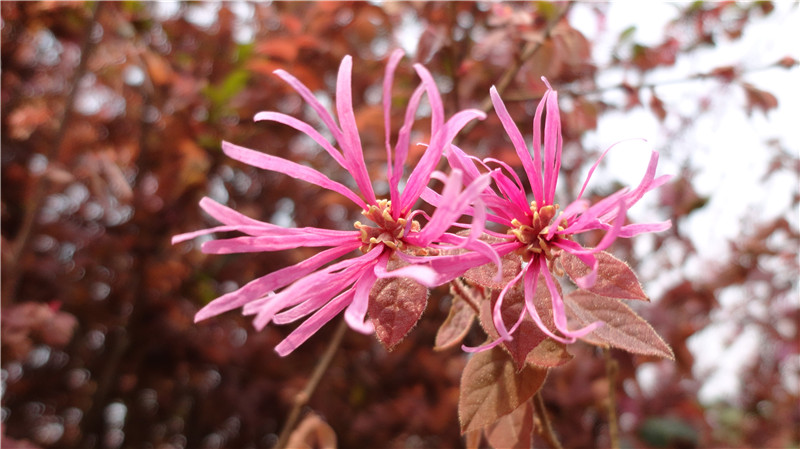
615	279
28	323
24	120
513	431
759	99
657	106
158	68
491	387
312	433
622	327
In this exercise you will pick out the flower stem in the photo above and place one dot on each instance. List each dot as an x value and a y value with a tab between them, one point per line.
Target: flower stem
547	428
302	398
611	375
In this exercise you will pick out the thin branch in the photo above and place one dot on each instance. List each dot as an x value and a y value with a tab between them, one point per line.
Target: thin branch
722	75
611	374
547	428
302	398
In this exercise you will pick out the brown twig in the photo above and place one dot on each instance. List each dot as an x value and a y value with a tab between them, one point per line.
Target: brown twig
302	398
611	374
547	428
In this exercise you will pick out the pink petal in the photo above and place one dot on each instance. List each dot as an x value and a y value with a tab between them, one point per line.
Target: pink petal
191	235
559	313
312	101
312	291
273	281
434	98
305	128
425	275
402	146
631	230
313	324
421	174
277	242
552	146
228	216
295	170
356	313
351	145
497	311
533	169
597	163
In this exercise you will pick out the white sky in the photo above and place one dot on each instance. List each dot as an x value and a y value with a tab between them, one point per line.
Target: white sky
724	146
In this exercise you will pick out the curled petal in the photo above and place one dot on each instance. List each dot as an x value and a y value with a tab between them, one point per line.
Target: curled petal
310	326
306	129
273	281
356	313
351	144
293	169
533	168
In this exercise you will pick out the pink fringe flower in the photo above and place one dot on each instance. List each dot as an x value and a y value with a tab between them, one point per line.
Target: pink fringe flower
540	230
392	245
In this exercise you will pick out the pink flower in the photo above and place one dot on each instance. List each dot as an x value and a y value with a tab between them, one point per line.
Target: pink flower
540	230
392	244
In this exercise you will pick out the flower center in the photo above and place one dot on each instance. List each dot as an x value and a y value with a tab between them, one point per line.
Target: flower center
388	231
534	235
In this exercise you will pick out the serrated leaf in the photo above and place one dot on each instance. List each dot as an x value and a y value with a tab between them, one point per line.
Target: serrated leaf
615	279
491	388
529	344
484	274
513	431
395	306
623	328
456	326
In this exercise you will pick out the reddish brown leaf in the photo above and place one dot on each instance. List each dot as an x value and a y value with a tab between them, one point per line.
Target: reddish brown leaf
615	279
456	325
623	328
395	306
759	99
484	274
491	388
513	431
529	344
657	106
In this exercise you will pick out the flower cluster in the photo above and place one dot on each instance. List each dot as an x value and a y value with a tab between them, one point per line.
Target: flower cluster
379	273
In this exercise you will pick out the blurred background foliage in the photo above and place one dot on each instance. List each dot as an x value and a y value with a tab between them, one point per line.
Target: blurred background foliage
112	117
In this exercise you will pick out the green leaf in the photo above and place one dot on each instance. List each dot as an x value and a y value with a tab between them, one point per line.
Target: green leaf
623	328
491	387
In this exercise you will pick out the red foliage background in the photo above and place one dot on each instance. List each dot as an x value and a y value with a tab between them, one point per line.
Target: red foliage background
112	117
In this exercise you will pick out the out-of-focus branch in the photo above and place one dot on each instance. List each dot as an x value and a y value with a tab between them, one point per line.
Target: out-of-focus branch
302	398
725	74
33	205
547	428
611	376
